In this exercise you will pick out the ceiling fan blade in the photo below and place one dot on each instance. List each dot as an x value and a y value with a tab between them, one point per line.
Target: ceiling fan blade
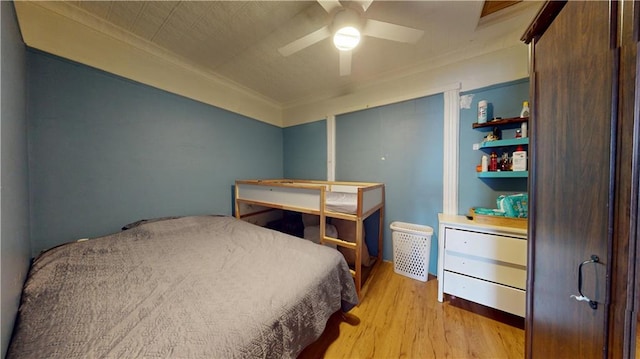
389	31
329	5
364	3
305	41
345	63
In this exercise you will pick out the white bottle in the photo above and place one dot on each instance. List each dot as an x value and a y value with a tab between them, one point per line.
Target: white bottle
519	160
525	110
523	129
485	163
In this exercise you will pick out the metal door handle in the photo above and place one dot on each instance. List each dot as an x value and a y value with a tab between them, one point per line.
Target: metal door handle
583	298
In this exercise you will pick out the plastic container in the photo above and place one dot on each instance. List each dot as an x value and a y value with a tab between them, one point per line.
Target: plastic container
411	249
483	106
514	205
519	160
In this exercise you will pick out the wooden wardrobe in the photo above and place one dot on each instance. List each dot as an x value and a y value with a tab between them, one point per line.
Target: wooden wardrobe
582	285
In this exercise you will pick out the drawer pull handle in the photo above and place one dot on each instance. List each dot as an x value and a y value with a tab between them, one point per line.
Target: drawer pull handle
583	298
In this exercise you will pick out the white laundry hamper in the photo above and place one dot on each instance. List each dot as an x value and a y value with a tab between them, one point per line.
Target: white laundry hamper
411	249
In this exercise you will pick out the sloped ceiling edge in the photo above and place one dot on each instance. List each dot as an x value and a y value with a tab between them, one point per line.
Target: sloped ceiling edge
47	30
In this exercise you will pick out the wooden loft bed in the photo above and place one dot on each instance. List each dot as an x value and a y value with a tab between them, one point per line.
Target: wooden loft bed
353	201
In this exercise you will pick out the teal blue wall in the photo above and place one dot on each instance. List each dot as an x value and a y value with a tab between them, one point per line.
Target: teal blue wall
14	234
305	151
105	151
409	136
506	100
400	145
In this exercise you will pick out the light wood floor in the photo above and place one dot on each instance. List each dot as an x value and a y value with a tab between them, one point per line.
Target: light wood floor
400	317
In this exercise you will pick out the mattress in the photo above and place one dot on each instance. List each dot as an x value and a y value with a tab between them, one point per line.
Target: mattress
341	202
191	287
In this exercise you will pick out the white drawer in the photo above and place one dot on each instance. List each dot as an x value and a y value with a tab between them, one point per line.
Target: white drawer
494	247
494	295
504	273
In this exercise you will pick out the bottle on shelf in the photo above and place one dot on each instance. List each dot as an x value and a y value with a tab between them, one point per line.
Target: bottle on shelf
519	159
485	163
493	162
525	109
497	133
504	162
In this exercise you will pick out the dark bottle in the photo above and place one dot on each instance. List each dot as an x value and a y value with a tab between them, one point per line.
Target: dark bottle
504	162
493	162
497	133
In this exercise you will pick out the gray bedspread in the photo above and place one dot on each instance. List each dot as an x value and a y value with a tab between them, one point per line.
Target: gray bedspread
192	287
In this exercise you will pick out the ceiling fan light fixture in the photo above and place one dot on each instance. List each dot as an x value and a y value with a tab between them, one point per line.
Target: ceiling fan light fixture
346	38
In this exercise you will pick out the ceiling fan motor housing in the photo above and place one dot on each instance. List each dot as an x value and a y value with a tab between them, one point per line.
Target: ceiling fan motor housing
346	17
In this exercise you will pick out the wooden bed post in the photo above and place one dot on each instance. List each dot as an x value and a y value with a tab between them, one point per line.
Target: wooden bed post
358	251
359	242
323	224
236	203
381	227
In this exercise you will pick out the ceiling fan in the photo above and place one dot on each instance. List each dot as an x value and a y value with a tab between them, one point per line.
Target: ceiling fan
347	26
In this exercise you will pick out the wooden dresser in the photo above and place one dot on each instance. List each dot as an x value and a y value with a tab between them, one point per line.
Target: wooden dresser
482	263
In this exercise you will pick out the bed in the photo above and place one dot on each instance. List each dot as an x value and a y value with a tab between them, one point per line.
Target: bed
351	201
187	287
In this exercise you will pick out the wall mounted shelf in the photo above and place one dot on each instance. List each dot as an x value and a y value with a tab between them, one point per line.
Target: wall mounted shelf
501	122
503	174
504	143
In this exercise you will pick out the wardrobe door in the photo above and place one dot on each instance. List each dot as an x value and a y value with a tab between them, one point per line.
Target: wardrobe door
570	196
623	312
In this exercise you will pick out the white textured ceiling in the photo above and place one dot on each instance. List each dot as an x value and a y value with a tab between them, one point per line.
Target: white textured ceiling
238	40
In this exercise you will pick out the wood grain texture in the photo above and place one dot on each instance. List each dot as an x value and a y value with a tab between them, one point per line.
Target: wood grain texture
491	6
578	34
570	203
401	318
623	276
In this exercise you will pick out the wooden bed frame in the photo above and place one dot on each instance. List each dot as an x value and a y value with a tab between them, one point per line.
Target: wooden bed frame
309	196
